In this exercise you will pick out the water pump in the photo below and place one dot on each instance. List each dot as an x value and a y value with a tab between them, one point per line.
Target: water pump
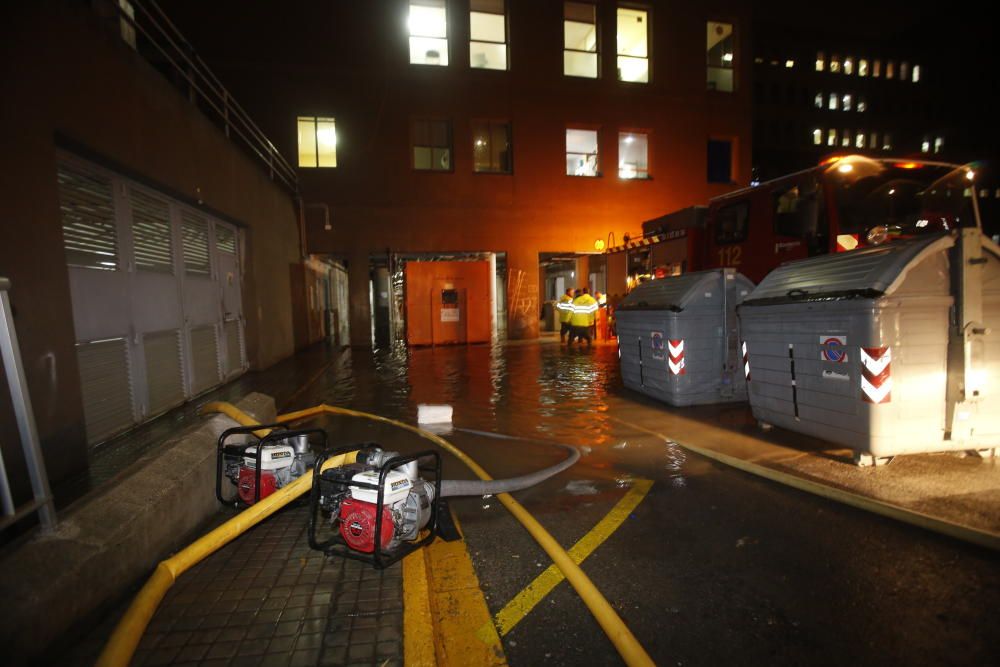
257	467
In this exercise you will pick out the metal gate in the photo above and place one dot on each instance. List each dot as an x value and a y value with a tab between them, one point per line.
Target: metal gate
155	287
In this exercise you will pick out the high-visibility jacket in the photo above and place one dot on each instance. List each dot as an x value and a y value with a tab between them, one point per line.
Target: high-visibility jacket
584	311
565	308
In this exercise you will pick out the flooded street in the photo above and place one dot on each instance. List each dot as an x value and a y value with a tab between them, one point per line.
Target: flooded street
712	567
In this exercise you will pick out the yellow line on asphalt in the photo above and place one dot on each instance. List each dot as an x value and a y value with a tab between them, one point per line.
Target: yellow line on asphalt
535	592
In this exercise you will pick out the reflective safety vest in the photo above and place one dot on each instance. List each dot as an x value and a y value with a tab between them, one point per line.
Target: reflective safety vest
584	311
565	308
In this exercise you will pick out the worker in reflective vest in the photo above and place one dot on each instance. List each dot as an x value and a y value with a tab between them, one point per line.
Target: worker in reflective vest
565	308
584	316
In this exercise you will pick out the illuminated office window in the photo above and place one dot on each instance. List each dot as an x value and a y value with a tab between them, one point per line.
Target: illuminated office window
859	140
904	71
835	63
938	144
428	24
862	67
818	100
487	34
580	40
817	137
848	65
873	140
720	48
633	155
581	152
890	69
633	45
846	102
820	61
877	68
831	137
916	73
925	145
887	142
431	145
845	138
862	104
832	104
317	142
789	64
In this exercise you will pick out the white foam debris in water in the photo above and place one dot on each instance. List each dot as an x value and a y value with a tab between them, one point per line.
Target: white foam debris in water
581	487
434	414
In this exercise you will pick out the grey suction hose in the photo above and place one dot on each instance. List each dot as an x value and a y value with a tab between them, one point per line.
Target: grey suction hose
476	487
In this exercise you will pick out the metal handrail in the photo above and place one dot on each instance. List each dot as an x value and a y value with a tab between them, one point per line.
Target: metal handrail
161	34
11	355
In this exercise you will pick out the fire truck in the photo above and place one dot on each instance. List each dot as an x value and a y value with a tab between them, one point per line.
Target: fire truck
843	203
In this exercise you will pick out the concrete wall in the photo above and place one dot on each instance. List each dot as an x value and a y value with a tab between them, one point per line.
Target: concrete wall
349	61
70	82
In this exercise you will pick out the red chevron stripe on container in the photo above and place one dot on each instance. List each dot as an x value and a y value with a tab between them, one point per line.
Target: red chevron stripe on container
746	361
876	374
675	348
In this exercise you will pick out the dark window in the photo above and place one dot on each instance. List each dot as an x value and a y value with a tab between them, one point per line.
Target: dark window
491	150
720	161
432	145
731	223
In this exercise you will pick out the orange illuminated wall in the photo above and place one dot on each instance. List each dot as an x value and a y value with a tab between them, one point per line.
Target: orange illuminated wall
448	303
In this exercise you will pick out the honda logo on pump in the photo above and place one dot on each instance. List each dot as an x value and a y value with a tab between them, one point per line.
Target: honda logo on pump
676	361
876	378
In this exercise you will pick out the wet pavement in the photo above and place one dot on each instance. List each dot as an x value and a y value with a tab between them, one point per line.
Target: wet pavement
713	566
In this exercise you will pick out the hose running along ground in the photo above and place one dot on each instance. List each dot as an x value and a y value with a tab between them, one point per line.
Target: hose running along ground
621	637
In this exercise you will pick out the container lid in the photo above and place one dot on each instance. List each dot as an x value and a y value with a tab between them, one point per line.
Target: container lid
866	273
671	293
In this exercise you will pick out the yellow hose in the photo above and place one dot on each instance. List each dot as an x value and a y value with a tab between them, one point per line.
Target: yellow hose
125	638
624	641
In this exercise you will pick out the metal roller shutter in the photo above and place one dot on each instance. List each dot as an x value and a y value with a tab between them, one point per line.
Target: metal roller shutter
106	386
204	359
164	377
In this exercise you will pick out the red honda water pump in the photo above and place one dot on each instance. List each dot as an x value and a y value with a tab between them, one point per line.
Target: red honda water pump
257	467
379	508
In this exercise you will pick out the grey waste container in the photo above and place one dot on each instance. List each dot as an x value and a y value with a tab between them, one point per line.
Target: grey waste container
854	348
677	338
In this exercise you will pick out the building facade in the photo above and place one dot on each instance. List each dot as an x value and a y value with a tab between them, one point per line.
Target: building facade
517	130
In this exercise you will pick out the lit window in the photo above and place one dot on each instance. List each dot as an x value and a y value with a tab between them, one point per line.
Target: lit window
317	142
428	24
848	65
873	140
720	49
820	62
789	64
758	61
491	151
925	145
859	140
904	71
862	105
432	145
887	142
581	152
817	137
127	24
633	149
834	63
862	67
633	45
832	104
916	73
845	138
487	34
818	100
938	144
720	161
580	40
846	102
890	69
831	137
877	69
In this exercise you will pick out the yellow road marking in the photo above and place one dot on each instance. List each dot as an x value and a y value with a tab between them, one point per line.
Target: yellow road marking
535	592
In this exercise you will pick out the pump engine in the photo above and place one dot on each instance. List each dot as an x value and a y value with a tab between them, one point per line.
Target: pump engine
258	469
378	505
